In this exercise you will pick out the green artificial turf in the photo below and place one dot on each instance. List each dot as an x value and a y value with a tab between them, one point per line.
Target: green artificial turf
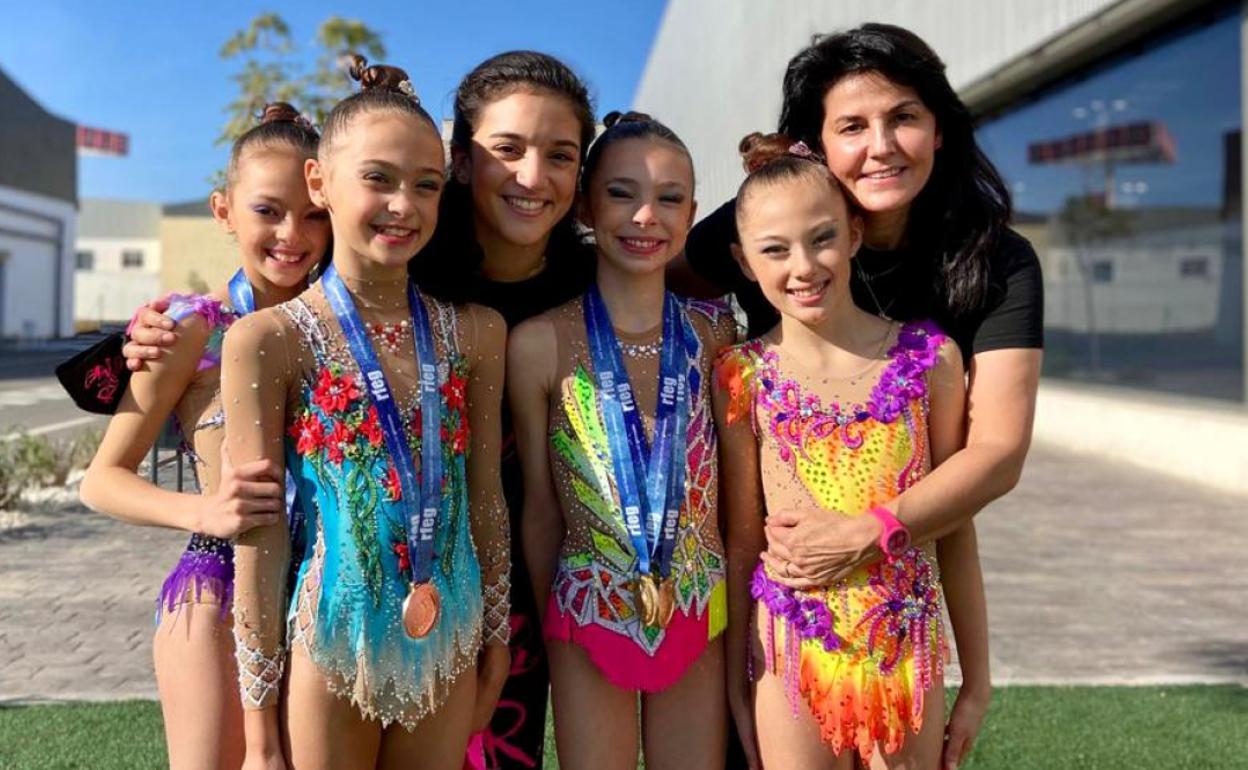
126	735
1073	728
1097	728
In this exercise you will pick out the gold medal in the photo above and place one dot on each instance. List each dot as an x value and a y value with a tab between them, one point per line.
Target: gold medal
421	609
667	602
647	598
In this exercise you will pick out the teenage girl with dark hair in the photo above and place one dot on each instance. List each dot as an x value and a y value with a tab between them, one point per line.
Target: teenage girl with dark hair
877	105
281	236
611	397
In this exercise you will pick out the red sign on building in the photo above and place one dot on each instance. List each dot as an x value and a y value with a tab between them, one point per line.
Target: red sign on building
1145	142
95	141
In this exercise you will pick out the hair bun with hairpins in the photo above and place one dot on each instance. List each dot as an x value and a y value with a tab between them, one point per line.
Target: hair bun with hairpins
380	77
284	112
758	149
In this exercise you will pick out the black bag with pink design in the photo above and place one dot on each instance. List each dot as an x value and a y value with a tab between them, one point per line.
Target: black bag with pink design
97	377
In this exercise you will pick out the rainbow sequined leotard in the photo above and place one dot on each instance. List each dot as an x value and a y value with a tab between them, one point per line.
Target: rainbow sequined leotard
864	653
207	563
592	602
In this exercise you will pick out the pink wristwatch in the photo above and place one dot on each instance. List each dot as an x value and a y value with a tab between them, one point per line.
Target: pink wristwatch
894	537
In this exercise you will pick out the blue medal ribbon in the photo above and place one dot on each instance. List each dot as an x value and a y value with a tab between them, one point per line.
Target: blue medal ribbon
658	469
242	296
421	500
688	388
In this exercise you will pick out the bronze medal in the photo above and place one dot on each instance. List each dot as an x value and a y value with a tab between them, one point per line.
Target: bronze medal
421	609
666	603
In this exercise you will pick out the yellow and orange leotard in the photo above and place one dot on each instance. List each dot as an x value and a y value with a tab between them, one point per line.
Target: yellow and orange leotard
864	652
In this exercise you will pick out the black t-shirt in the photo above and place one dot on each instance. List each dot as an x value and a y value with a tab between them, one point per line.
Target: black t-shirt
561	280
902	284
566	275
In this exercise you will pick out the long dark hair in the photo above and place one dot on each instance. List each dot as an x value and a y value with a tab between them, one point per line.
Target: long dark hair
965	206
453	257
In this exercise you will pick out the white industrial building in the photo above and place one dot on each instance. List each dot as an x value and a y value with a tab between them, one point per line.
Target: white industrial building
1145	324
38	213
117	259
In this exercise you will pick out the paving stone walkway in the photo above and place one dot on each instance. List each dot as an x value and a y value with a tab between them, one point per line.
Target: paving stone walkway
1096	573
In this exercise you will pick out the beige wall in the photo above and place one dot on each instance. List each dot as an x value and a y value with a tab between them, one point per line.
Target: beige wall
195	254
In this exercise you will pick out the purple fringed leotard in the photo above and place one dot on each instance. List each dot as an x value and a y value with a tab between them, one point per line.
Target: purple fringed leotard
207	562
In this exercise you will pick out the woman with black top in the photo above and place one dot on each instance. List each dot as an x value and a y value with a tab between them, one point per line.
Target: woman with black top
875	101
507	239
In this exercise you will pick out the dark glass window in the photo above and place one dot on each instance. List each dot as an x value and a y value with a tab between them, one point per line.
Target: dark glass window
1127	181
132	258
84	260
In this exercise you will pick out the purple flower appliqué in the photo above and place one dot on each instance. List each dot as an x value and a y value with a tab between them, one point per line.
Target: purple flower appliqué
808	617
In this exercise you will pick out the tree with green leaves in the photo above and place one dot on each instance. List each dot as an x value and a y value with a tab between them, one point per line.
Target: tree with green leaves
272	68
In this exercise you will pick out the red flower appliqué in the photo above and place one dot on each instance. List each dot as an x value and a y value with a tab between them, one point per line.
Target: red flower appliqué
453	390
394	490
400	550
332	393
370	428
308	434
338	442
458	440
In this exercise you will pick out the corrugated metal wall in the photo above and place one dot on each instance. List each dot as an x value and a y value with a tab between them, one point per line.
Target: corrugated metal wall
716	66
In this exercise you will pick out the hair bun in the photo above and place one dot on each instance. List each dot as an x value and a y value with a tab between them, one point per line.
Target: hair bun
279	112
615	117
378	77
354	64
758	149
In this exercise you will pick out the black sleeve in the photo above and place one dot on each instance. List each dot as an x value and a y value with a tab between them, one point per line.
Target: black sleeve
1015	313
708	252
707	249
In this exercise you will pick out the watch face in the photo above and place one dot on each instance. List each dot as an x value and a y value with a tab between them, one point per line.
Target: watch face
898	541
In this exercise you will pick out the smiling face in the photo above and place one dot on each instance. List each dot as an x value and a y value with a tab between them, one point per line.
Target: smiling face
880	140
640	203
281	233
521	167
381	181
797	240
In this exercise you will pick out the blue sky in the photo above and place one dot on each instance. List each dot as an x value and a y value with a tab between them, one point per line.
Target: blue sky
152	70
